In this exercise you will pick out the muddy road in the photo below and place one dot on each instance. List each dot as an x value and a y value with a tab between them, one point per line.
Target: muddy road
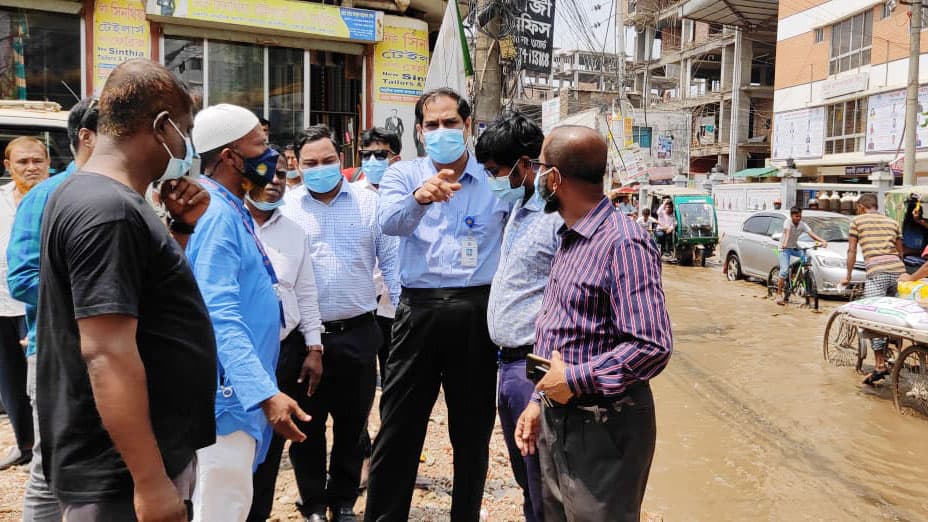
752	425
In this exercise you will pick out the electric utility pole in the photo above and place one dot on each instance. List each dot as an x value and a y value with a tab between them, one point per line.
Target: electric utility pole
488	87
911	95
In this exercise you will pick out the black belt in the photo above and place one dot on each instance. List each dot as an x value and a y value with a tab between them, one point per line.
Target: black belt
511	355
336	327
587	402
426	294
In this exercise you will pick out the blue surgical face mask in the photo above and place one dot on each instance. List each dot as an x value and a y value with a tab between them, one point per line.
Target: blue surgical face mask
293	174
445	146
323	178
177	167
374	169
264	205
502	188
541	188
261	169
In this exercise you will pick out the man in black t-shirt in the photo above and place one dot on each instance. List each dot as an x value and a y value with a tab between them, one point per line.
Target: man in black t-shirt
127	370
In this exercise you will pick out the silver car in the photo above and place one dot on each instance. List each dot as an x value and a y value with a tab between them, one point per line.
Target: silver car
752	250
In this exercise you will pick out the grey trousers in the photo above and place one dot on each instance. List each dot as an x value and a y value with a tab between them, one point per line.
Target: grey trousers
123	510
39	503
595	464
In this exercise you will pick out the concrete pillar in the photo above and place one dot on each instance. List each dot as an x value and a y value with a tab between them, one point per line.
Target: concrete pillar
740	102
576	84
789	183
680	180
883	180
713	180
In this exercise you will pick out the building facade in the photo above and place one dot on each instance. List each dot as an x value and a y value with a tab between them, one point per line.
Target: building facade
293	62
839	98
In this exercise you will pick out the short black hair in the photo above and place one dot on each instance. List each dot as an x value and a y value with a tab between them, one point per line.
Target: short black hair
83	115
645	211
382	135
464	110
795	210
317	132
263	121
288	146
135	93
868	200
511	136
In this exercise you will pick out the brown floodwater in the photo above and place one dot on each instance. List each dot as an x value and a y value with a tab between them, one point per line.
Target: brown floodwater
753	424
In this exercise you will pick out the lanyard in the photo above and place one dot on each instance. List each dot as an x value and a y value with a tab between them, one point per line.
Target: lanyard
246	220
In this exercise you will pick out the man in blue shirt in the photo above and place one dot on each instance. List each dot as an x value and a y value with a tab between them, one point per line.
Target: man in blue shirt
239	287
345	245
450	227
23	253
506	149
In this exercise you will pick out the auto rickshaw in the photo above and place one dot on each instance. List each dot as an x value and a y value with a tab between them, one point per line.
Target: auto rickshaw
914	238
696	234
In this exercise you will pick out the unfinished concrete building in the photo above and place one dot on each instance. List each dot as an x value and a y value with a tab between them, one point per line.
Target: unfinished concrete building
714	59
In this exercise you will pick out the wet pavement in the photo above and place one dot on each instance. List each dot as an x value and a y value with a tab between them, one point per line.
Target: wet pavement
753	424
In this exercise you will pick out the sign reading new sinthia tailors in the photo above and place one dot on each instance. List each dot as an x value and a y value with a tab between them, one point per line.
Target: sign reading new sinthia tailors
120	33
277	16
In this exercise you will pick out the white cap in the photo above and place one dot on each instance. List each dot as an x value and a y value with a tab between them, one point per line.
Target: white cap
219	125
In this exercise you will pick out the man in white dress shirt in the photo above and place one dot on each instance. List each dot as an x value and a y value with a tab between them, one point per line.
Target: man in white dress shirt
301	337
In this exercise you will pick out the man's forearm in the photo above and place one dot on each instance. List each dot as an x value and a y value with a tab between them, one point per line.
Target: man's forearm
121	392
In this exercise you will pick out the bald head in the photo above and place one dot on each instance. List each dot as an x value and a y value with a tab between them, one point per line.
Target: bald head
135	93
577	152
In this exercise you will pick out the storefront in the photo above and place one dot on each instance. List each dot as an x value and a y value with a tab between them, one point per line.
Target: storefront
296	63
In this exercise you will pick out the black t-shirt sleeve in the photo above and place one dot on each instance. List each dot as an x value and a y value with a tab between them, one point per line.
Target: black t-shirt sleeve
106	264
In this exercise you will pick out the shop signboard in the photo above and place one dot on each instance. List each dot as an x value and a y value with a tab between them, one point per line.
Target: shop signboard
401	63
550	114
886	121
799	134
120	33
282	16
534	36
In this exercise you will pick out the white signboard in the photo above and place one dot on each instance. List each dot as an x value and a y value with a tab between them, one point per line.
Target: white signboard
845	85
886	120
550	114
799	134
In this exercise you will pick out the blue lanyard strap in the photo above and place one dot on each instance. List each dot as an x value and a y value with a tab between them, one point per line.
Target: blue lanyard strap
246	220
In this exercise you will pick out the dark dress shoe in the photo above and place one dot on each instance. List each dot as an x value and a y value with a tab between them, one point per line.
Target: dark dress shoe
16	457
344	514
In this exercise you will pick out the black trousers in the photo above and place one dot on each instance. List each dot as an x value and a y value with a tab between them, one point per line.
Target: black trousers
386	329
595	465
346	393
440	339
292	354
13	380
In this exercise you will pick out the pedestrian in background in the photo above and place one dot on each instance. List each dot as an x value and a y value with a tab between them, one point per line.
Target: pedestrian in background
506	149
346	244
39	504
605	330
301	337
239	285
450	227
880	240
128	359
26	160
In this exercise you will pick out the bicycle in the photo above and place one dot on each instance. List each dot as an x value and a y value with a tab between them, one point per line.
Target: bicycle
800	280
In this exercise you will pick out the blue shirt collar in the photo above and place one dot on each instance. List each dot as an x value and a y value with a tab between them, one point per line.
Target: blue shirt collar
534	203
343	190
473	169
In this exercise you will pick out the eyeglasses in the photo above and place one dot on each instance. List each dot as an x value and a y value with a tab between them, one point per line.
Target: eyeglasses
537	164
379	154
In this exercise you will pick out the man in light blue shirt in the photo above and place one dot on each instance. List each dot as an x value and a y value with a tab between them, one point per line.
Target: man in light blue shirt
345	245
450	227
239	287
506	149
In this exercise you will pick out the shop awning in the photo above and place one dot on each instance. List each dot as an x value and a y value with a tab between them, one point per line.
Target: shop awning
758	172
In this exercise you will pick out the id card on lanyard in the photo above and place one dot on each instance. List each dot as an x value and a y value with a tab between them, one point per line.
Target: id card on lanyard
265	260
469	252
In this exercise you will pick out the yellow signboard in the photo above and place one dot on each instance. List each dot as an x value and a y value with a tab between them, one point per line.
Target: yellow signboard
401	63
293	16
120	33
629	135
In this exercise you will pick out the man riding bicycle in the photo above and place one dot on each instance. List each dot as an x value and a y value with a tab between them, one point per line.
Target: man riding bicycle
789	246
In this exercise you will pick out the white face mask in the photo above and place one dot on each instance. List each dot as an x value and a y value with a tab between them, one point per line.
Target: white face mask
178	167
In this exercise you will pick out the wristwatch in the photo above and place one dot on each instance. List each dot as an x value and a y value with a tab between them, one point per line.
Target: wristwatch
180	227
319	348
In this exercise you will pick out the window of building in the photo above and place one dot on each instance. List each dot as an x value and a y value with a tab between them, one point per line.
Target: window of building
845	126
40	58
270	82
642	136
850	43
820	35
885	11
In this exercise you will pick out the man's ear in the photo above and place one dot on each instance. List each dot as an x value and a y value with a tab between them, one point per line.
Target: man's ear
395	159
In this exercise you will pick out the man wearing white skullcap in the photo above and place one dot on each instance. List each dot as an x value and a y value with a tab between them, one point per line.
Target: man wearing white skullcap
239	286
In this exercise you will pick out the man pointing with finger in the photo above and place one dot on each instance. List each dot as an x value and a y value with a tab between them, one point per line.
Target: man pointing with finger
450	226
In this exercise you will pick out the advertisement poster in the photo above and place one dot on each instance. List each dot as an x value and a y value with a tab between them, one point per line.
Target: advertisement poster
886	120
401	63
799	134
550	114
664	147
534	37
344	23
120	33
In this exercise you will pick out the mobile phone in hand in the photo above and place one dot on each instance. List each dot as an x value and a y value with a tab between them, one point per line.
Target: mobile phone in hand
536	367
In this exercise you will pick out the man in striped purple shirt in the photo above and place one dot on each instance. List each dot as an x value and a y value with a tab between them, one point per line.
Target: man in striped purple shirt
605	330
